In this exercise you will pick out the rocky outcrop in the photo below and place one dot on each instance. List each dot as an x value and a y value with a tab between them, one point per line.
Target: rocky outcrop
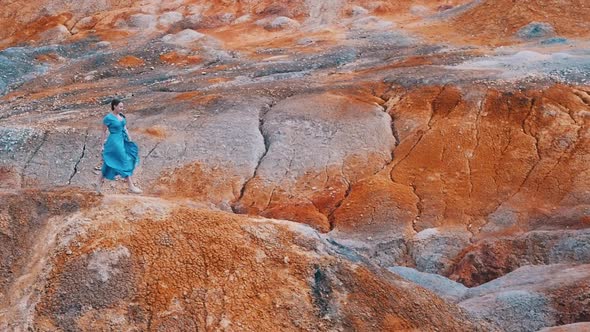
533	297
472	169
154	264
497	22
317	147
491	258
527	299
567	328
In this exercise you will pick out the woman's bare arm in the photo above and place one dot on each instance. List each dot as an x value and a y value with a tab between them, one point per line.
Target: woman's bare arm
127	131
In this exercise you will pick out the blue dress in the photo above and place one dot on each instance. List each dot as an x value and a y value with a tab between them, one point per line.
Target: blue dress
120	155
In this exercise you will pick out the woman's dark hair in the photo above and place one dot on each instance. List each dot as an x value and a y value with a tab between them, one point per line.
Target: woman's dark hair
114	103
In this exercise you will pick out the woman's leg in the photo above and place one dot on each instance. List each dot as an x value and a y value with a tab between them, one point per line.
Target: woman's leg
99	183
132	187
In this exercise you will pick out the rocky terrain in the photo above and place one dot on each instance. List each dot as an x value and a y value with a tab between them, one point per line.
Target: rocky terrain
306	165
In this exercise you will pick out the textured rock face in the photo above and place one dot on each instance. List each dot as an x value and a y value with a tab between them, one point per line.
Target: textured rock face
317	146
151	264
543	295
491	258
23	218
399	131
526	299
568	328
491	165
496	21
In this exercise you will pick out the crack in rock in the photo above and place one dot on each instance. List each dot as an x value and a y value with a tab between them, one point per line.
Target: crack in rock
75	171
43	140
261	116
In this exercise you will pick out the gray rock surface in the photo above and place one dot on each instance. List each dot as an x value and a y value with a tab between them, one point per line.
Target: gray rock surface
495	257
537	278
143	21
434	249
56	159
314	145
533	297
440	285
513	310
183	37
576	327
281	22
169	18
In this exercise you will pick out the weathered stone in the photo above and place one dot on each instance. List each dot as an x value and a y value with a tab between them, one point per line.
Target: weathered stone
143	21
56	34
536	30
533	297
183	37
442	286
120	270
493	258
313	156
434	249
169	18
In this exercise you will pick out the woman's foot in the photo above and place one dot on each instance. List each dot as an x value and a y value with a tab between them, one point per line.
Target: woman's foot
135	190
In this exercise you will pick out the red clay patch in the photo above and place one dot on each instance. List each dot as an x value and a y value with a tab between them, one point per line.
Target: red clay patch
130	61
155	131
174	58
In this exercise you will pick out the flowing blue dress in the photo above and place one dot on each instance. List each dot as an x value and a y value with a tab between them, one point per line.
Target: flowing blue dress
120	155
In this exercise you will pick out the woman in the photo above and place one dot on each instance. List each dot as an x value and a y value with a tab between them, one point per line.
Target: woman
119	153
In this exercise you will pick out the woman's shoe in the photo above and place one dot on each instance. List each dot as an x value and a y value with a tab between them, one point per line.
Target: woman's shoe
135	190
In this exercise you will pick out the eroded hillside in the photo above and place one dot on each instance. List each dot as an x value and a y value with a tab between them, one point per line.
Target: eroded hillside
333	165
